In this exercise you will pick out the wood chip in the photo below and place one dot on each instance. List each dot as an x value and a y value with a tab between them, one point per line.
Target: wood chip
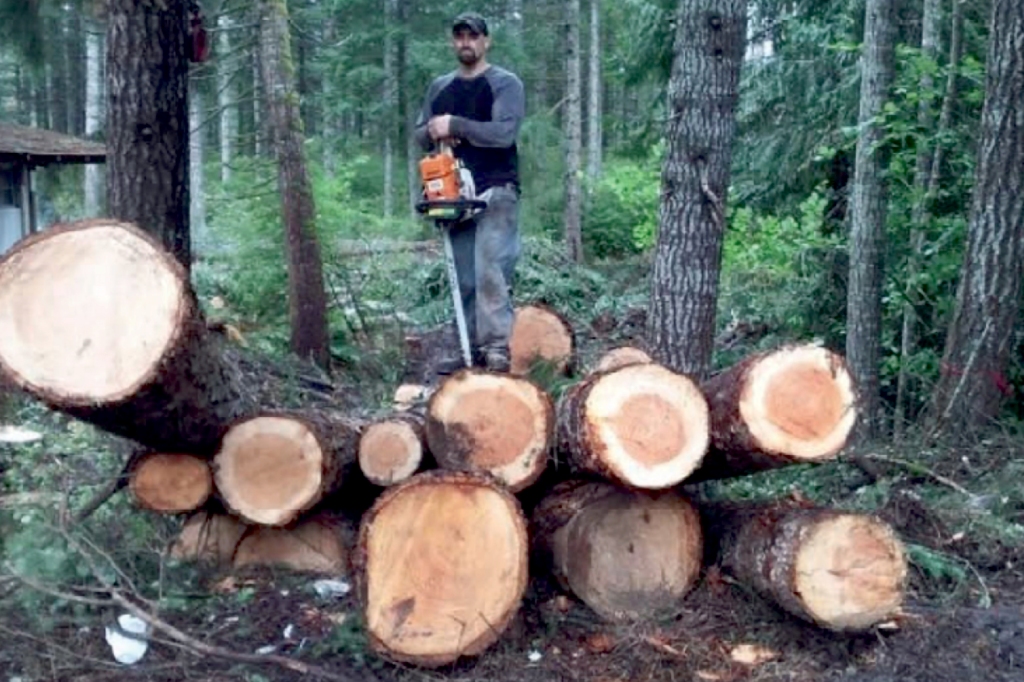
752	654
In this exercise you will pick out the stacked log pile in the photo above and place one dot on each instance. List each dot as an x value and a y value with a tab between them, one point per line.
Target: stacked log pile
472	482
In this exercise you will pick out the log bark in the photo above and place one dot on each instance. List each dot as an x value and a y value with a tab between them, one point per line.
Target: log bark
540	335
642	425
441	567
208	537
502	425
98	321
794	404
314	545
626	554
392	449
169	483
271	468
843	571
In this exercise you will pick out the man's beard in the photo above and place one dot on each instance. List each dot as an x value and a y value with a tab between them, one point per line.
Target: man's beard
468	57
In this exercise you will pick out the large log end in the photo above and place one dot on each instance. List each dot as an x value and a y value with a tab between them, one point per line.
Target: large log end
850	571
441	567
498	424
540	335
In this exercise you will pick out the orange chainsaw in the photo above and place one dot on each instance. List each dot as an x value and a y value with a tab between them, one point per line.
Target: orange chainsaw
449	197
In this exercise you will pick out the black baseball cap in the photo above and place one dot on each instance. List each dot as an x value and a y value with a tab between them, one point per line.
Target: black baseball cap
471	20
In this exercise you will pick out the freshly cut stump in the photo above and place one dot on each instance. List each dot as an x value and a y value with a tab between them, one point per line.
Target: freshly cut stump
314	545
441	567
499	424
626	554
170	483
540	334
391	450
208	537
272	468
642	425
621	357
796	404
843	571
98	321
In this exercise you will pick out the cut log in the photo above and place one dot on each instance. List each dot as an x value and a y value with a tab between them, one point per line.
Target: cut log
540	335
628	555
98	321
314	545
621	357
499	424
391	450
642	425
796	404
273	467
169	483
208	537
410	396
843	571
441	567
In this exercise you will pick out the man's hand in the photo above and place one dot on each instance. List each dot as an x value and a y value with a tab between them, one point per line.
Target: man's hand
439	127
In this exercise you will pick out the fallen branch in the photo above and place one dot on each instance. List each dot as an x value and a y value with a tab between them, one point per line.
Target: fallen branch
919	469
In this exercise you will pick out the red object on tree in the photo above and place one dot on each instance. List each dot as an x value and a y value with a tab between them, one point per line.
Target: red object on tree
198	44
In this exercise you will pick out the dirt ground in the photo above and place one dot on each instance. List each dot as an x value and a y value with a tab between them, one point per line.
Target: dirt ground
555	638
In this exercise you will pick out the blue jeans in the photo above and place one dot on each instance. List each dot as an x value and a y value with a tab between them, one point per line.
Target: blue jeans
486	250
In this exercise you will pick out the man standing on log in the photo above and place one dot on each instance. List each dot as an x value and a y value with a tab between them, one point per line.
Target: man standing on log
478	109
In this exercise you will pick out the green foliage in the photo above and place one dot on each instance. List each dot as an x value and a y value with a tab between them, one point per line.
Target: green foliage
622	208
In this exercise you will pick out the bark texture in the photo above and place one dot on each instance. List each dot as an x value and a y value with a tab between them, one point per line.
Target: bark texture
307	300
973	381
867	218
702	96
573	133
147	120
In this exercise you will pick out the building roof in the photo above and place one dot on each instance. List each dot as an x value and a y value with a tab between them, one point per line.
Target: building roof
38	146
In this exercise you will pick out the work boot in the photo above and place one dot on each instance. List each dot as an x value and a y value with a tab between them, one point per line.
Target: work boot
450	364
497	360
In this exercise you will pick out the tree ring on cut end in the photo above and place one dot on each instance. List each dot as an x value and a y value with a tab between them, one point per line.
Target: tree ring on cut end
89	311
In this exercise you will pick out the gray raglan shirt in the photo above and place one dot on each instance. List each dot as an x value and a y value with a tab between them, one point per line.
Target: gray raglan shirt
487	112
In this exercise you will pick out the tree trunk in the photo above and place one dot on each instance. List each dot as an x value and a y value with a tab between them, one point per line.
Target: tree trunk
390	96
843	571
307	300
169	483
76	65
314	545
642	425
147	120
573	133
867	218
94	87
502	425
973	382
273	467
97	320
627	555
392	449
226	97
930	30
594	134
540	335
702	96
441	567
197	188
795	404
